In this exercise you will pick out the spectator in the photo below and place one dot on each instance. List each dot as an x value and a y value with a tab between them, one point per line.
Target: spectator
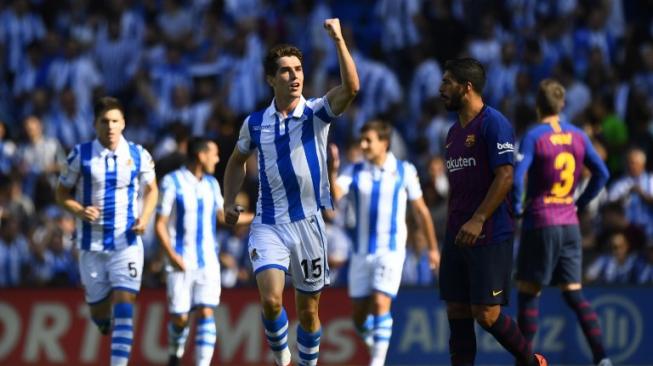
14	252
616	267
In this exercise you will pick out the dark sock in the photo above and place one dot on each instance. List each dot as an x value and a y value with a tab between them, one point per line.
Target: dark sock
505	331
462	342
529	312
588	320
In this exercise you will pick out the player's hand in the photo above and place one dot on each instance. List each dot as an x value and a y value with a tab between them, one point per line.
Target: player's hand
333	28
470	231
232	213
138	227
434	259
89	213
177	262
333	161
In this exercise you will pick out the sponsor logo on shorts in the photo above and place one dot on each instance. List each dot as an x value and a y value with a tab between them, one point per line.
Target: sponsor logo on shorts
253	255
496	292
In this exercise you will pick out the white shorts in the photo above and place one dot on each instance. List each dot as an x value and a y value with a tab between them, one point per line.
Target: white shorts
193	288
379	272
299	248
103	271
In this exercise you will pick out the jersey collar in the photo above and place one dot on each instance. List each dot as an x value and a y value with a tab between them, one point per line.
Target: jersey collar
121	149
297	113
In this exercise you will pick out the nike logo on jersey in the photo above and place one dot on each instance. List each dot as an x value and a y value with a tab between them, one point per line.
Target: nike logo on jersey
496	292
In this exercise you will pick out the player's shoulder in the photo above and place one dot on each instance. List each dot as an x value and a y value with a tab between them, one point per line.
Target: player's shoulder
256	118
494	119
537	130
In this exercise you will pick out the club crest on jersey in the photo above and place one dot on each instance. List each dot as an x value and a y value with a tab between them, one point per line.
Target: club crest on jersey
129	162
470	140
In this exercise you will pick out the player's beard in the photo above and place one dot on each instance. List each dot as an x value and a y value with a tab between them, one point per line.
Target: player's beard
454	103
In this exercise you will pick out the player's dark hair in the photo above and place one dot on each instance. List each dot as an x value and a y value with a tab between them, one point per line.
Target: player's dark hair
196	145
466	70
104	104
281	50
382	129
550	98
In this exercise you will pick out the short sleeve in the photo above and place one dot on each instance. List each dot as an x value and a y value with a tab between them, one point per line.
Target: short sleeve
321	109
244	143
146	174
411	182
167	196
500	138
70	175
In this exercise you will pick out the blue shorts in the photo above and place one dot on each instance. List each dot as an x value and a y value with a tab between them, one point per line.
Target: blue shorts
550	255
478	275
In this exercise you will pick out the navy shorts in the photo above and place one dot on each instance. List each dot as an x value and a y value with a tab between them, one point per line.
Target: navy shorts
478	275
550	255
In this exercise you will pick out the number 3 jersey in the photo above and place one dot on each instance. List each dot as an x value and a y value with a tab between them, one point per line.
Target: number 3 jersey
472	154
553	155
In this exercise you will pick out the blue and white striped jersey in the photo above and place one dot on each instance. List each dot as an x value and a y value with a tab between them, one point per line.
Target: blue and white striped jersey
293	180
110	181
378	196
192	206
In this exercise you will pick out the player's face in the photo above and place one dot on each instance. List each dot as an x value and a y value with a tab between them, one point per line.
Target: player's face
209	158
288	82
451	92
109	127
372	146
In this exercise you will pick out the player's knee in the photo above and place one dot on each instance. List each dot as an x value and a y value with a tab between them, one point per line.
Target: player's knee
485	315
308	318
271	306
179	320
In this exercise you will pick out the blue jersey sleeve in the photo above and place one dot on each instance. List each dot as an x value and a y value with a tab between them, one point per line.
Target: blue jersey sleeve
500	138
599	171
524	161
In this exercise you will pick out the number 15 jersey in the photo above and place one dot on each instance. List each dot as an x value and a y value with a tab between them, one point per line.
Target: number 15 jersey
553	155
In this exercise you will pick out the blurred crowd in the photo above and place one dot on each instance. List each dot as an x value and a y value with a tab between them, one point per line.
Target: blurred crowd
194	67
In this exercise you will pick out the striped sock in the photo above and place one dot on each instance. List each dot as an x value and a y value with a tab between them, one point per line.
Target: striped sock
205	341
122	335
529	312
506	331
276	331
365	331
588	320
308	345
103	325
382	333
176	340
462	342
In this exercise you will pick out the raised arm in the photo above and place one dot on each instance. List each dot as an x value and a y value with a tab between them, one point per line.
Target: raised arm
233	180
342	95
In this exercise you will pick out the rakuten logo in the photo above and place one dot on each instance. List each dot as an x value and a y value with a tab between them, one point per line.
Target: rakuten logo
506	147
454	165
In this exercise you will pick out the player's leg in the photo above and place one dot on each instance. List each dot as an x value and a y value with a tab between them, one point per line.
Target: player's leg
537	257
380	308
270	261
454	289
97	288
360	290
178	286
490	270
206	297
568	278
206	336
275	319
386	278
309	329
310	273
125	271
